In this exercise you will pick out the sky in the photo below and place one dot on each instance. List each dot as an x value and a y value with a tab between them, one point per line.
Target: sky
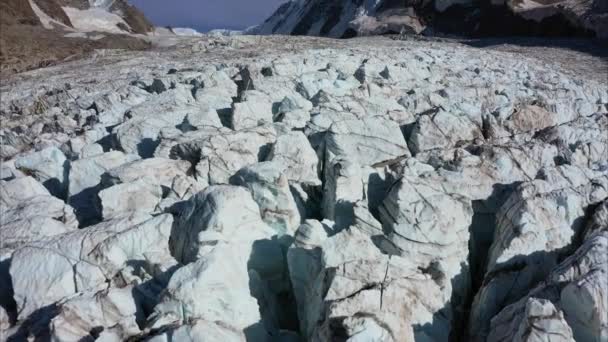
204	15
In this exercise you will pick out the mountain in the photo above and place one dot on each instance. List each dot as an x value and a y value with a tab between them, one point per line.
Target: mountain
92	15
348	18
42	32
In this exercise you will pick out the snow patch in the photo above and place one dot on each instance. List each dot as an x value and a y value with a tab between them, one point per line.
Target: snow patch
46	21
186	31
101	3
94	19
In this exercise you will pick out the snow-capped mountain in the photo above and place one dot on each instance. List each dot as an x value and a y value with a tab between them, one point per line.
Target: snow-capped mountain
339	18
347	18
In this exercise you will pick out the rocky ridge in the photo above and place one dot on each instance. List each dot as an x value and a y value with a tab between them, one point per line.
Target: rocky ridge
90	15
38	33
367	190
349	18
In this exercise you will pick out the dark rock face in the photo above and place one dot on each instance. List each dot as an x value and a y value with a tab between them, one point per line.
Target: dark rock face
134	17
17	11
53	9
350	18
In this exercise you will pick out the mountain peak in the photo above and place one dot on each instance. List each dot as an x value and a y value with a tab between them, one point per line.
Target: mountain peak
348	18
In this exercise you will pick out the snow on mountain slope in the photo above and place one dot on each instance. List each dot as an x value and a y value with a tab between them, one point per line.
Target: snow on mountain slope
321	18
113	16
46	20
185	31
95	19
39	33
347	18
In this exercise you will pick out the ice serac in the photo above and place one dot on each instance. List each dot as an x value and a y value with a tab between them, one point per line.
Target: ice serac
218	155
294	152
356	153
85	183
158	171
150	185
113	312
542	221
540	320
49	166
347	288
171	108
270	189
199	330
255	109
430	228
573	293
355	190
222	274
54	268
368	141
29	212
209	218
232	256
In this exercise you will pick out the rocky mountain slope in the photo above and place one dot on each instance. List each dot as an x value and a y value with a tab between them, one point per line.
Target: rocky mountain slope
348	18
303	189
91	15
37	33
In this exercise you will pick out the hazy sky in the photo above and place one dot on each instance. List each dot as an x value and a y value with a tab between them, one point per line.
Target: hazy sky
207	14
